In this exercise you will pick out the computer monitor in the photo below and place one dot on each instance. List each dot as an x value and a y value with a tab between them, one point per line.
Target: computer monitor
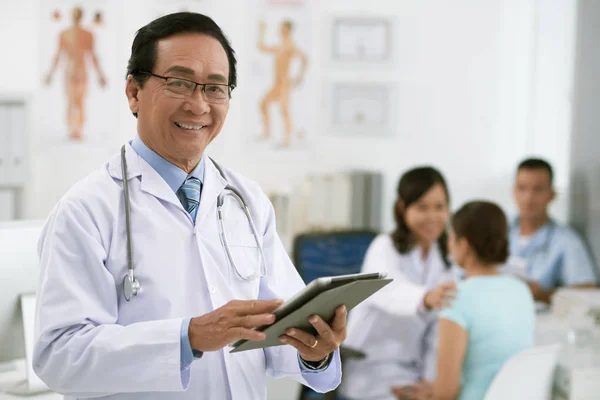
19	272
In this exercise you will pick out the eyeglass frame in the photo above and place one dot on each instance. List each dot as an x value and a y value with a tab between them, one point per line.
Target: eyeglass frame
202	85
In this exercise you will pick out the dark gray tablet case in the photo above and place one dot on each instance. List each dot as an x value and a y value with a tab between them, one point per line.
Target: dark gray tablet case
323	305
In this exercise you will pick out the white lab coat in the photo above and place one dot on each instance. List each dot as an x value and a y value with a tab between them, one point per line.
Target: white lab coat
90	342
391	327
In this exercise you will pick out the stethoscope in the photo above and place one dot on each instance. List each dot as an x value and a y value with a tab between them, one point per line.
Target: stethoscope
131	286
542	248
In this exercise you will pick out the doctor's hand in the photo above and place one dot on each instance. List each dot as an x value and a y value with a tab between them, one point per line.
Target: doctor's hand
233	321
440	296
421	390
329	338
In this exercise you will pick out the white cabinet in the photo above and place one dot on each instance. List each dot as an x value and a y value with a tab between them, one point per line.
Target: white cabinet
14	153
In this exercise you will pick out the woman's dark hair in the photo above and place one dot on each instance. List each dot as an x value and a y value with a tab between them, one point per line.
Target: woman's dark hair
484	226
412	186
143	49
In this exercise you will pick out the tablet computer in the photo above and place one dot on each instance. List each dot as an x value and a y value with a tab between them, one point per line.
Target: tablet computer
321	296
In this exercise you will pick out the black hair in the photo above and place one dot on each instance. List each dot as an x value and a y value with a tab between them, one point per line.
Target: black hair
412	186
143	49
537	163
483	224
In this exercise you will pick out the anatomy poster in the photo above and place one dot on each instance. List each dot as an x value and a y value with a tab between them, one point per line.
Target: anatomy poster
278	91
77	73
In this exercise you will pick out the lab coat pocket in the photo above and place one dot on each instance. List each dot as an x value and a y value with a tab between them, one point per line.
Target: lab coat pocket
247	260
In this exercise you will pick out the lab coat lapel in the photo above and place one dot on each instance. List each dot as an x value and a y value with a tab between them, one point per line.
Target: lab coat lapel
425	272
414	269
151	182
212	186
435	266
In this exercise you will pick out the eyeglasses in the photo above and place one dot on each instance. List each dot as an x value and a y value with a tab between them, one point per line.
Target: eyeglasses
182	88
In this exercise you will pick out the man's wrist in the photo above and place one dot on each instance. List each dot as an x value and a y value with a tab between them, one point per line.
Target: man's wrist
195	352
317	365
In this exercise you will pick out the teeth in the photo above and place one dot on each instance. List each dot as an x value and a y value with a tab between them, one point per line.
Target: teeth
190	127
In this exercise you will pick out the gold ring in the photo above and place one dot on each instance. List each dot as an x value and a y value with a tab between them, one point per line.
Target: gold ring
314	345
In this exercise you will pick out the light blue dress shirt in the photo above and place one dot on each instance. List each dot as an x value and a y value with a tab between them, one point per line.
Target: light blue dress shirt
554	255
175	177
498	326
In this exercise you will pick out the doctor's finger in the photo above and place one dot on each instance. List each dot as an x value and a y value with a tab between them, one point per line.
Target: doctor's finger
298	345
305	338
339	322
449	295
251	321
324	330
448	285
239	332
405	392
253	307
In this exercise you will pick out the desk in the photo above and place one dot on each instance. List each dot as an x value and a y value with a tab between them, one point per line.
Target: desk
578	372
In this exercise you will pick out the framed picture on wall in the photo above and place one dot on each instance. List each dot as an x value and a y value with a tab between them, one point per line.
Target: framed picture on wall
364	109
364	40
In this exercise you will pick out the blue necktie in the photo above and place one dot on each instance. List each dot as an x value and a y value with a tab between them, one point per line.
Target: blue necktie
190	190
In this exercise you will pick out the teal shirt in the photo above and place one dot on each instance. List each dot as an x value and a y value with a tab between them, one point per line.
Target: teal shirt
498	313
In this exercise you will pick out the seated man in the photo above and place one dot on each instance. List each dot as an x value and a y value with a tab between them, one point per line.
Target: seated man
548	254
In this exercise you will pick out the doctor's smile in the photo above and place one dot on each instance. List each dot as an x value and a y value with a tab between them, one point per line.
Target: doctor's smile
191	127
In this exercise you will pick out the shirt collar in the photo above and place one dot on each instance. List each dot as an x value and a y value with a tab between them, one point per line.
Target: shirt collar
172	174
515	226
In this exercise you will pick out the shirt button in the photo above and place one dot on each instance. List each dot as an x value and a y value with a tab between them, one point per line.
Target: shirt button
212	289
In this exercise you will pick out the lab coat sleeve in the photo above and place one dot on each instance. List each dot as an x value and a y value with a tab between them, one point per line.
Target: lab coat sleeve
80	349
430	340
283	281
399	298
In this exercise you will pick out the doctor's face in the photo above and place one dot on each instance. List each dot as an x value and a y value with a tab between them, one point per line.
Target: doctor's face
426	218
176	126
533	192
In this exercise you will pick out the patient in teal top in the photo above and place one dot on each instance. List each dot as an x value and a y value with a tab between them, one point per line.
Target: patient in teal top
492	317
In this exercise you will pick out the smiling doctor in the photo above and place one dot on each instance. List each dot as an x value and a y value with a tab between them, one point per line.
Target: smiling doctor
150	267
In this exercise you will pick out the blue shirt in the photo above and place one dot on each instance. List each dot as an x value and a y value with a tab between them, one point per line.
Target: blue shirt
498	314
553	256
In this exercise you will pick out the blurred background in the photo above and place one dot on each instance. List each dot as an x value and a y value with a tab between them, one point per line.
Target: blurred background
471	87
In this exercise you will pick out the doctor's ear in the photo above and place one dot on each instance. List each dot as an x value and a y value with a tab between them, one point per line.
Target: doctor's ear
132	88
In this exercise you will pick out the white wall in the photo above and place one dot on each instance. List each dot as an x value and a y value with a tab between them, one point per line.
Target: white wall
481	85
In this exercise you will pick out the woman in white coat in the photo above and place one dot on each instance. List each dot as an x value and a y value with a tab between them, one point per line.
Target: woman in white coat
396	327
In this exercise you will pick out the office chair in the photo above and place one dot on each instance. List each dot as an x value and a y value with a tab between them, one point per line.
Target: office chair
329	254
527	375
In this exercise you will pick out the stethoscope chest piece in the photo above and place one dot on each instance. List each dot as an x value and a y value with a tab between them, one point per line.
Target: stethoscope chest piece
131	287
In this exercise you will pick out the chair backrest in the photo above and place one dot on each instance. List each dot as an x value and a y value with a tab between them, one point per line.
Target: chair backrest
330	253
528	375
